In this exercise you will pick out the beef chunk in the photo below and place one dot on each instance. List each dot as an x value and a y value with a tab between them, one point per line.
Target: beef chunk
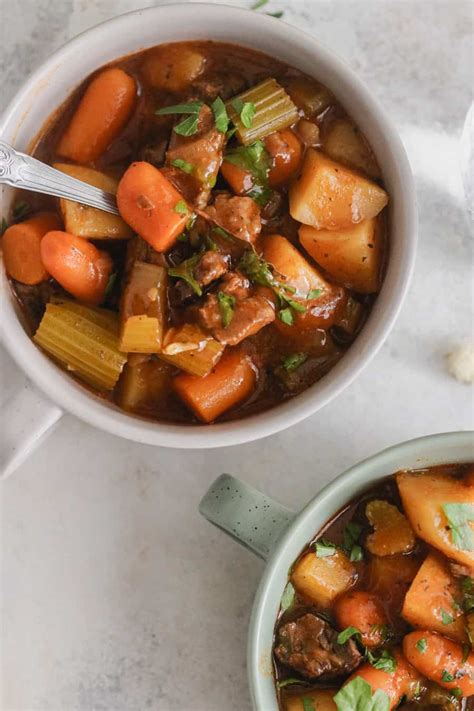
250	315
238	215
33	299
154	153
203	150
223	84
235	284
309	646
210	267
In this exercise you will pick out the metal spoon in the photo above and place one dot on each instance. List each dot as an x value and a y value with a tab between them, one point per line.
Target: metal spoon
22	171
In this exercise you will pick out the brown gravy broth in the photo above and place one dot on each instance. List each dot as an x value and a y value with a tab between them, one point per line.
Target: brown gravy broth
229	70
291	686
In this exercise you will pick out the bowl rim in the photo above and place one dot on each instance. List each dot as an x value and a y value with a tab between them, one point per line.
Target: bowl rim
100	413
417	451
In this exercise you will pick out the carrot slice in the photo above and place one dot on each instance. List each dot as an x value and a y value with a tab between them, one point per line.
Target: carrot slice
364	611
285	151
402	681
231	382
76	264
100	116
239	179
22	247
151	205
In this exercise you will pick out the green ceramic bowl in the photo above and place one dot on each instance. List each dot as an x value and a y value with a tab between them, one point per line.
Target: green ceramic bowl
278	535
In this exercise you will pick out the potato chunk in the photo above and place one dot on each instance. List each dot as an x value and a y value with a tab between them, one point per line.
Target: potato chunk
423	495
88	222
392	532
327	195
321	699
172	68
321	580
346	144
352	256
432	601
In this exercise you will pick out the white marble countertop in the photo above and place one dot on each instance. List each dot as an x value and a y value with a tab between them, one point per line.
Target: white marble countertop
117	596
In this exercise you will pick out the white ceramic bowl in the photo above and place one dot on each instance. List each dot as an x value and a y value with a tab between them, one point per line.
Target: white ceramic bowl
278	535
52	83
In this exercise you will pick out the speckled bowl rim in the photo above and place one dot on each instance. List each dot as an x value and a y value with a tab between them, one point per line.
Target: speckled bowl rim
143	28
443	448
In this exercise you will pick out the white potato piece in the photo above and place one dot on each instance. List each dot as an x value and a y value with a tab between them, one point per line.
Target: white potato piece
328	195
423	496
88	222
346	144
321	580
353	257
173	68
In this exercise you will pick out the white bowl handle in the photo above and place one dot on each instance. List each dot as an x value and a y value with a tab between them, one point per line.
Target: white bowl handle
26	420
252	518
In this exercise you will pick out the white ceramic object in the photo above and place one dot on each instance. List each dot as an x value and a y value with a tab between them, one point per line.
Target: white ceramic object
278	535
52	83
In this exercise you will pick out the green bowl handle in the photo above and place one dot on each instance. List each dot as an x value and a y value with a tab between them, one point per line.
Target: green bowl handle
252	518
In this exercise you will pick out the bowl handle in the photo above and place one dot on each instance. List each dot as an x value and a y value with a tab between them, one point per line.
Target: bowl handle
27	418
252	518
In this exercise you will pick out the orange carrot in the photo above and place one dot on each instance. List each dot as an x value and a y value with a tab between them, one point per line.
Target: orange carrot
232	380
285	151
440	660
21	247
239	179
402	681
362	610
101	114
152	206
76	264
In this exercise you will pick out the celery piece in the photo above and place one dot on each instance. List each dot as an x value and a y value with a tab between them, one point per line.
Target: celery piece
190	349
84	339
143	309
144	384
274	110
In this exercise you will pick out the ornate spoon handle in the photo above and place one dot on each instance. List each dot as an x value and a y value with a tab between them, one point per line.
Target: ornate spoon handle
22	171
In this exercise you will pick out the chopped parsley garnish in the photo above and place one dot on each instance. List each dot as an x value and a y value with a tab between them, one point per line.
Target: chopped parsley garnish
286	315
226	307
246	111
457	692
181	208
446	618
346	634
356	554
221	118
324	548
422	645
384	662
460	516
357	695
255	160
446	676
313	294
183	165
3	226
350	544
467	587
185	271
189	126
21	210
293	362
308	704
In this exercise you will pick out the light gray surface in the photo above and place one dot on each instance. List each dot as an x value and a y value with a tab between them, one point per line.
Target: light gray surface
117	596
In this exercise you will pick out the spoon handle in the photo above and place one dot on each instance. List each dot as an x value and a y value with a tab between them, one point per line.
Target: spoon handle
22	171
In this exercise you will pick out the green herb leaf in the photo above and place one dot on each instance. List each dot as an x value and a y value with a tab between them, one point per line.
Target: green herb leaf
422	645
466	650
246	111
460	516
258	4
255	160
181	208
3	226
384	630
307	704
384	662
357	696
346	634
21	210
313	294
194	107
287	682
457	692
356	554
293	362
286	315
183	165
446	676
226	307
324	548
351	535
185	271
277	14
188	127
288	597
446	618
221	118
326	616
